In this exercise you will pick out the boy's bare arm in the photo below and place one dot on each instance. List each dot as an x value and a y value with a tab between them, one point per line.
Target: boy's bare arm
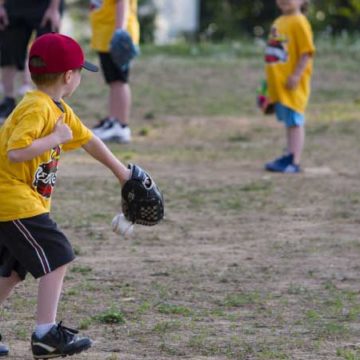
294	79
121	11
99	151
61	134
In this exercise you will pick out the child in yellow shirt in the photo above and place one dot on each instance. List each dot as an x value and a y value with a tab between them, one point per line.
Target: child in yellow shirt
289	64
106	17
32	141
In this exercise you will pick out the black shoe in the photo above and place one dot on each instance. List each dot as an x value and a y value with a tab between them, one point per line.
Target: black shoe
59	341
102	123
6	108
4	350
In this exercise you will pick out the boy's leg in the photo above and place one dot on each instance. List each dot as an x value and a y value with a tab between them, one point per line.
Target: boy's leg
120	101
49	291
7	284
296	140
115	126
50	340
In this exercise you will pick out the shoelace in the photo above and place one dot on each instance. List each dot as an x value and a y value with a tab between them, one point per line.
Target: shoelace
66	332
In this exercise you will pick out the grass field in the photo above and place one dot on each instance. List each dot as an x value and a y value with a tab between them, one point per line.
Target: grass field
247	265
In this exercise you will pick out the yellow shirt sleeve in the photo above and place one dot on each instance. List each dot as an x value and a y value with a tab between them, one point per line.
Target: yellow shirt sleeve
25	131
81	134
304	38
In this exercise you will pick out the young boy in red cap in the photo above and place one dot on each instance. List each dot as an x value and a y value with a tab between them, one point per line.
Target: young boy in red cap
32	140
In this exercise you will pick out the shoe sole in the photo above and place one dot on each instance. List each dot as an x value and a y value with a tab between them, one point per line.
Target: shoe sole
53	356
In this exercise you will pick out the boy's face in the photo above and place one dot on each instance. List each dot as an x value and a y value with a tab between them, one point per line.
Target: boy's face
289	6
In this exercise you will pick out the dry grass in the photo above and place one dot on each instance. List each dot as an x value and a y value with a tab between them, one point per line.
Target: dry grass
247	265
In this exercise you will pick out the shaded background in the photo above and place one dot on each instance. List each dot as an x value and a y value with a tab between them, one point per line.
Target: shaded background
234	19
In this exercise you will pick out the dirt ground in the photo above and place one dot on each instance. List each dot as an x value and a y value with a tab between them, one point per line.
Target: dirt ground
246	265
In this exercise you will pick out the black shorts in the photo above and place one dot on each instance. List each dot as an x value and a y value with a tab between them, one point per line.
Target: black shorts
34	245
24	18
110	71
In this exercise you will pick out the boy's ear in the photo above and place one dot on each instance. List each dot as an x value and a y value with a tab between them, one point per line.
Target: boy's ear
67	76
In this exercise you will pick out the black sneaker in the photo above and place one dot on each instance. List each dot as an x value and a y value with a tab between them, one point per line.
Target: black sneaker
4	350
6	108
59	341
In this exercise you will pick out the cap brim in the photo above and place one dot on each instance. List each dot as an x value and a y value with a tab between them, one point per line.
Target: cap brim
90	67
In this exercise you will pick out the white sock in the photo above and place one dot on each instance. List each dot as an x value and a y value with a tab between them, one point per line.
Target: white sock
42	329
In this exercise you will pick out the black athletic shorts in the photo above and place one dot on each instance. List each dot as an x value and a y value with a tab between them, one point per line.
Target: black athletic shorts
110	71
34	245
25	17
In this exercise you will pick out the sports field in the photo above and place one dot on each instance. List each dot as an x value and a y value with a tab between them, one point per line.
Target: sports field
247	265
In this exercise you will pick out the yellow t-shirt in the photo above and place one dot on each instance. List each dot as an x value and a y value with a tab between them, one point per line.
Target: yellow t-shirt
103	23
26	187
290	38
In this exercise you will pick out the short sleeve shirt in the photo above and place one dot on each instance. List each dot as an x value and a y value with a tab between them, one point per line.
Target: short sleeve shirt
26	187
290	38
103	23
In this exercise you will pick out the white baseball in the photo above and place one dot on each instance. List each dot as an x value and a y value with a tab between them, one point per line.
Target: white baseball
121	226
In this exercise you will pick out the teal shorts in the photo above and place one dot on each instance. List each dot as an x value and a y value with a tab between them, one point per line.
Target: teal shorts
288	116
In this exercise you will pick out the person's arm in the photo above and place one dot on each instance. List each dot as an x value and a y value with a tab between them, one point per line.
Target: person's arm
121	13
293	80
4	20
61	134
52	15
99	151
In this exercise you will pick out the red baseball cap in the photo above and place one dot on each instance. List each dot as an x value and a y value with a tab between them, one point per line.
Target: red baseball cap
60	53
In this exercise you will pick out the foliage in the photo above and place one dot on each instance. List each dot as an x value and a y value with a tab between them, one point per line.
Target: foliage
147	15
234	18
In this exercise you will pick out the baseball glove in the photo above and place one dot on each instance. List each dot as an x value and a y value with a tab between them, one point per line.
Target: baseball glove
141	200
122	49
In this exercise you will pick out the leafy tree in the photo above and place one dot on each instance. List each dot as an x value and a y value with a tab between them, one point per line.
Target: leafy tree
234	18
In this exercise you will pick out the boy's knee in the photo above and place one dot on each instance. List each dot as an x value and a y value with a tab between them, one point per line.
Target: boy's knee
16	278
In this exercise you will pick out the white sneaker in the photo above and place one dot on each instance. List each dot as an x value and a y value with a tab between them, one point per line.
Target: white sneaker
112	131
103	123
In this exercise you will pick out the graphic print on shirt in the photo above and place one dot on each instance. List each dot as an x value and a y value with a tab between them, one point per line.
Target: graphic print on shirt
45	175
276	49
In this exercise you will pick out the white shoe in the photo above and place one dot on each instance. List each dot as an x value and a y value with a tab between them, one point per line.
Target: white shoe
103	123
112	131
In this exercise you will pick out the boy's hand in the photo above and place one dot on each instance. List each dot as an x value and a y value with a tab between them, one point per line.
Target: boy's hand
62	131
292	82
53	17
4	20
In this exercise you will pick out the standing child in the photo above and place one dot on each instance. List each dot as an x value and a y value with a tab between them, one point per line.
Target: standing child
106	17
289	64
32	141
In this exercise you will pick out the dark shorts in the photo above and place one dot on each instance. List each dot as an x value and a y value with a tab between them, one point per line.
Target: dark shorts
34	245
110	71
24	19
